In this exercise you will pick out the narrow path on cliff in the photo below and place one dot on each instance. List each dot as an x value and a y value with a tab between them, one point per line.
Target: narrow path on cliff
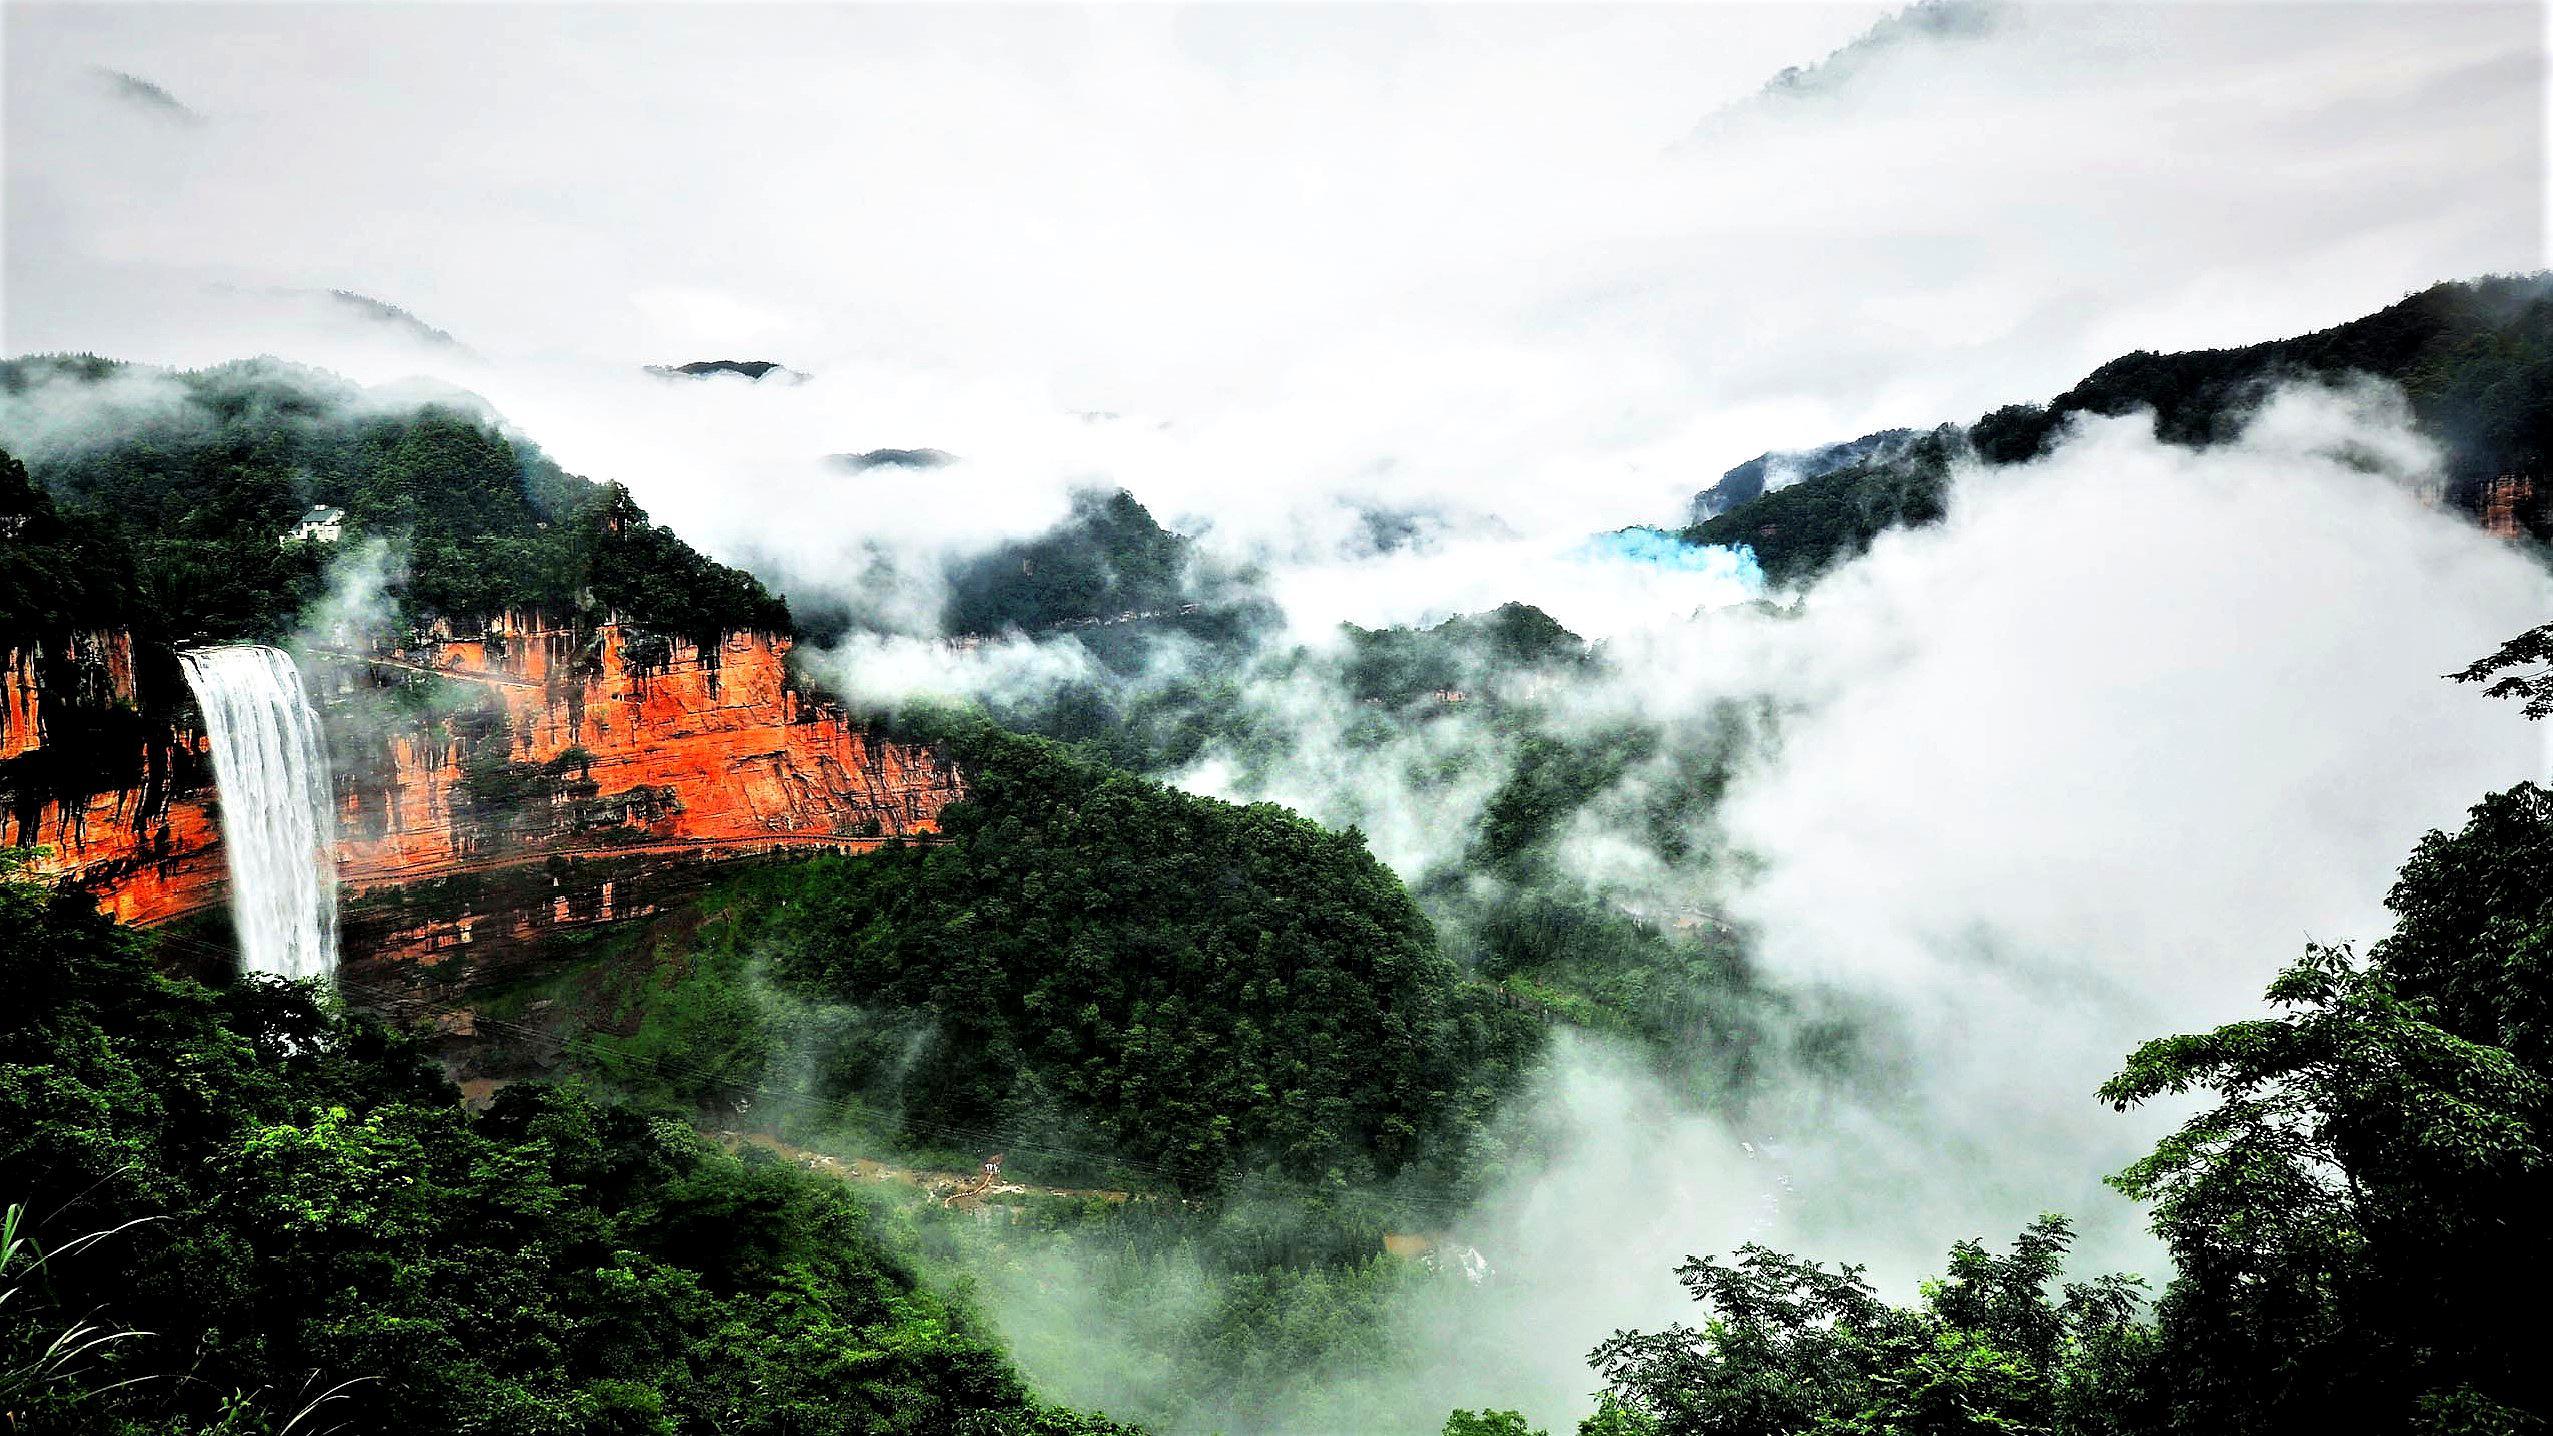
1145	1180
725	849
759	845
869	1169
463	675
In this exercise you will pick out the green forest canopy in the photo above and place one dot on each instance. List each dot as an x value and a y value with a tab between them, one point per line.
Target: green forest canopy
299	1206
185	505
1092	961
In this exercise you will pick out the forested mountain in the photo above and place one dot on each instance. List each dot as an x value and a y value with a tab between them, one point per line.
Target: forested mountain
297	1227
1748	481
196	475
1213	999
755	370
1209	990
1092	963
157	510
1106	563
1226	817
2475	359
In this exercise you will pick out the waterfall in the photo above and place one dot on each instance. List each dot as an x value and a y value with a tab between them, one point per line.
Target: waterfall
277	822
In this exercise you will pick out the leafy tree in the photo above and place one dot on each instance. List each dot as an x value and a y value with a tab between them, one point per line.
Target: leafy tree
299	1204
1091	961
1792	1346
2349	1217
2521	668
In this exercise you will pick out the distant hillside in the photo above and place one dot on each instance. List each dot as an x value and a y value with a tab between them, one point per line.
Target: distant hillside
1107	557
1094	963
176	487
862	462
1109	575
2476	360
754	369
1776	471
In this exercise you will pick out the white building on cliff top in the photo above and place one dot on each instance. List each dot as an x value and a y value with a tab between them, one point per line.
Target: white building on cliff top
321	525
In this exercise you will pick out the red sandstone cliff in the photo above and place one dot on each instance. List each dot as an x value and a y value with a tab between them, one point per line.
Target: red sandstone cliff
2508	505
542	741
93	781
100	665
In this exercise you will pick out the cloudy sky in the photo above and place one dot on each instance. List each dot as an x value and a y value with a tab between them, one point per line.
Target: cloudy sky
1558	265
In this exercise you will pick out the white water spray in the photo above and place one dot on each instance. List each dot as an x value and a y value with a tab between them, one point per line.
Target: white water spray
276	818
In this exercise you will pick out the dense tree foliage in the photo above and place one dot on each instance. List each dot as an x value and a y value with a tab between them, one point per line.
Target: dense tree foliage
1793	1347
1395	667
1105	558
1487	697
1748	481
64	586
1095	962
56	575
2368	1190
1166	697
1799	530
2354	1217
1212	1320
2475	359
205	469
299	1206
1612	1417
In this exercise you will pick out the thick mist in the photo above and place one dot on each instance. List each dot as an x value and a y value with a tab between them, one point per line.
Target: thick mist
1249	262
2082	765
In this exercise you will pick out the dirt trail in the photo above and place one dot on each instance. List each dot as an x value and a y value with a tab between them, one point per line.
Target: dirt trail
864	1169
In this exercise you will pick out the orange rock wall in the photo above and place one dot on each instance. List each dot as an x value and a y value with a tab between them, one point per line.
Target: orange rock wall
662	750
20	727
146	853
2507	503
104	662
686	750
147	864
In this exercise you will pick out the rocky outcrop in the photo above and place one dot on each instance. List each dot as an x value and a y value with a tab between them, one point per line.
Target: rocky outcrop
89	669
2509	508
93	780
529	742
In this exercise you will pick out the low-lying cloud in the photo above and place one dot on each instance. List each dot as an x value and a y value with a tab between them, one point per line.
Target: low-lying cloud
2083	764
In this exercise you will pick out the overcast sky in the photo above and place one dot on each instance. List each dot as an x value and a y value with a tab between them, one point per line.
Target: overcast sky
1560	265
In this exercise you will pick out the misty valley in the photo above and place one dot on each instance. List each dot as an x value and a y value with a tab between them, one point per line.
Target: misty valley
1239	812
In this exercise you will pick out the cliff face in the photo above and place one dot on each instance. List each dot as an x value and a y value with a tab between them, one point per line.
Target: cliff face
2508	505
95	781
529	743
94	668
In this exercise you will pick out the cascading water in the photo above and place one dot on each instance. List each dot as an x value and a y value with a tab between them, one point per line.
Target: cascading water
276	818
